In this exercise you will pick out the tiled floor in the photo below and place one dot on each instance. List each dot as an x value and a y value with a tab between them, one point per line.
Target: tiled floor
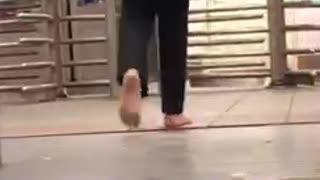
264	153
258	153
207	109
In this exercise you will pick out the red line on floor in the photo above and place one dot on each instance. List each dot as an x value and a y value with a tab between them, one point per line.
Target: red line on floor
161	130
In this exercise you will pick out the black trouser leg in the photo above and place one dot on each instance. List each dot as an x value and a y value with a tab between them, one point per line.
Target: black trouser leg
137	21
173	30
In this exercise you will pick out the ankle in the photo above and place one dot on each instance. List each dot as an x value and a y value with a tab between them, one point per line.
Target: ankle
173	115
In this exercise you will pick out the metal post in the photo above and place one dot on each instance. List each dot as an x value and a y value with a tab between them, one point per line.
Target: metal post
112	46
57	46
53	9
277	44
47	50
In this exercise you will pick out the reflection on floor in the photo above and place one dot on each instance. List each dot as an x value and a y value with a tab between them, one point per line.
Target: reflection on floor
214	109
264	153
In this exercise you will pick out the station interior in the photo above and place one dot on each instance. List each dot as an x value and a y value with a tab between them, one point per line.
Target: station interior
252	92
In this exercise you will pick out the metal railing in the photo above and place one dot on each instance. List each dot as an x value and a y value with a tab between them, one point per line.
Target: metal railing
278	51
47	18
212	65
39	48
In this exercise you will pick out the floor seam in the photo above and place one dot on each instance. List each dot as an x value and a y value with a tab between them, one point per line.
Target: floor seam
290	108
232	106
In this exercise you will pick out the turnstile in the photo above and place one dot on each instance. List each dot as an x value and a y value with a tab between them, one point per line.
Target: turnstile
50	49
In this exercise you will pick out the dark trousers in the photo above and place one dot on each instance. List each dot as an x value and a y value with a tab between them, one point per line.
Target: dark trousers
135	30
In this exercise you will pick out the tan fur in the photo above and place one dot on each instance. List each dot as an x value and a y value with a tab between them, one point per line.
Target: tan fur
130	100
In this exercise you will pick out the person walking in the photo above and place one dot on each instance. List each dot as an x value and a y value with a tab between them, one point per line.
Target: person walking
136	27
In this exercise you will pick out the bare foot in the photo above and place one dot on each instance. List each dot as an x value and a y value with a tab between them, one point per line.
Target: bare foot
130	99
176	121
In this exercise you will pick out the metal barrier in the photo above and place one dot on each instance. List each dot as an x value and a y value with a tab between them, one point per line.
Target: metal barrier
108	41
39	48
278	52
46	18
201	73
295	77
